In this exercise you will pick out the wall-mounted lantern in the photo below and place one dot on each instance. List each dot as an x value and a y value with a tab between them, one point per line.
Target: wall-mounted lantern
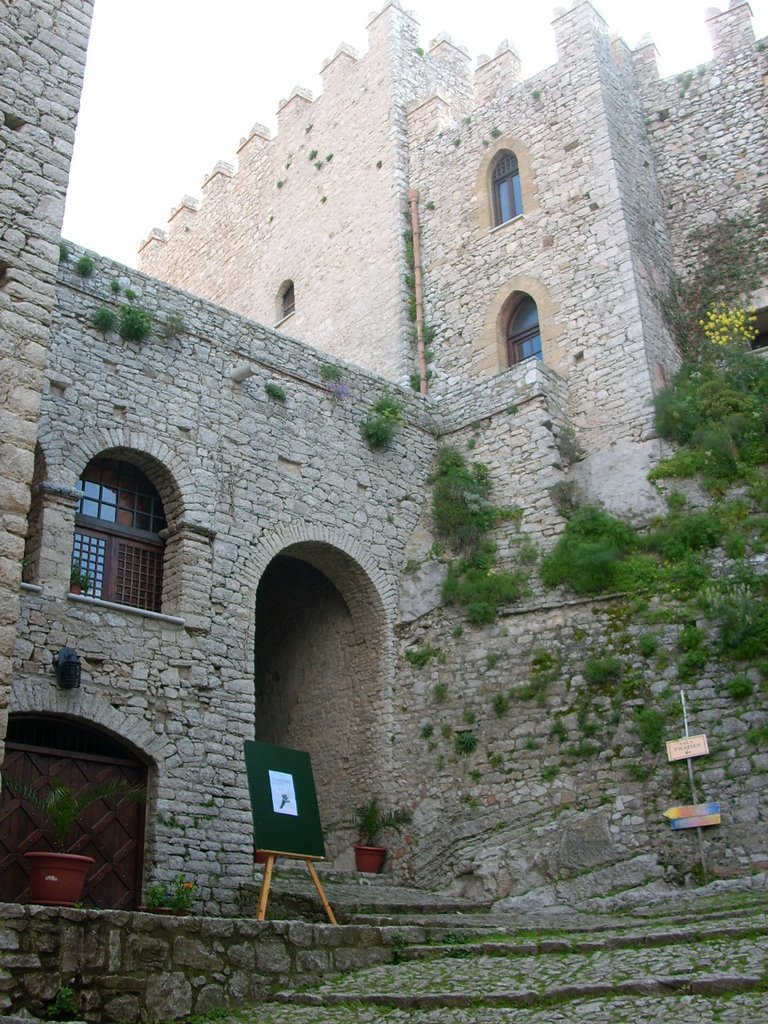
67	665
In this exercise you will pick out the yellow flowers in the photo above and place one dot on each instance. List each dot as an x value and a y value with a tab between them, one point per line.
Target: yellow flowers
724	326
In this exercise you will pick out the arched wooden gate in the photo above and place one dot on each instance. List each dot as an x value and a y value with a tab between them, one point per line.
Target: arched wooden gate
39	748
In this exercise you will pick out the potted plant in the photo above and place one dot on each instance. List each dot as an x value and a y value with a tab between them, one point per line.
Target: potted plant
79	580
56	878
370	821
176	897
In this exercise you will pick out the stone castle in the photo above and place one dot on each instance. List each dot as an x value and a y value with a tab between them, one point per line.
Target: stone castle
255	570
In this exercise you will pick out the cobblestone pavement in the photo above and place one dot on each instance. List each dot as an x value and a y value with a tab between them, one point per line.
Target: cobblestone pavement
699	962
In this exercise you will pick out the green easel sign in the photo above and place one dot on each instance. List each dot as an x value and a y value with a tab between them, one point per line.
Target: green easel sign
286	818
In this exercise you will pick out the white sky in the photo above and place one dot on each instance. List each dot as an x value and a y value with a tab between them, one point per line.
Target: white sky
171	86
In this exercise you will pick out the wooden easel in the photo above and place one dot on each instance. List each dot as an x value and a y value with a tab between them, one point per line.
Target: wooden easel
272	856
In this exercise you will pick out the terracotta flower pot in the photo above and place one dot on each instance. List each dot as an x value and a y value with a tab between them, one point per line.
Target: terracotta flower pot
369	859
57	879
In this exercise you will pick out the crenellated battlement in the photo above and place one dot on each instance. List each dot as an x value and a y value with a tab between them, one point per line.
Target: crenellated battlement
320	205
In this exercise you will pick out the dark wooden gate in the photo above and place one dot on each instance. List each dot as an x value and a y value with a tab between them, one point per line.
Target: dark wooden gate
40	748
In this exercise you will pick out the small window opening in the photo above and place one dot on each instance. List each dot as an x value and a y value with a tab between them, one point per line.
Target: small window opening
507	194
523	334
289	300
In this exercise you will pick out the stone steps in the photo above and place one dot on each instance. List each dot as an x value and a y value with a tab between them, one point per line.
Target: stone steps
694	962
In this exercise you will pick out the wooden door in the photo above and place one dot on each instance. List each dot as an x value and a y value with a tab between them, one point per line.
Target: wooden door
113	836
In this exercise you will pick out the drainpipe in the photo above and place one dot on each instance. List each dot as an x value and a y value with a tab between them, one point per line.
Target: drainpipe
418	287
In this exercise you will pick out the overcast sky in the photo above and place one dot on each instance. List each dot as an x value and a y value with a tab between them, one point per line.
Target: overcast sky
171	86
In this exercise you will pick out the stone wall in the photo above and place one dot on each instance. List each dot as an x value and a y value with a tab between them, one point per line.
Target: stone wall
561	798
321	205
708	131
144	967
42	54
244	478
585	248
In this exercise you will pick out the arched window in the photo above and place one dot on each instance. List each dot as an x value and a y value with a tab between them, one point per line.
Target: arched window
117	535
505	183
288	300
523	334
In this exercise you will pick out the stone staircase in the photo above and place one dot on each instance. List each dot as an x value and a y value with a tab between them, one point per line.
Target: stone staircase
692	956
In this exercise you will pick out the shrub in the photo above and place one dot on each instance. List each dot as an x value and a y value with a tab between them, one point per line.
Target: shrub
84	266
465	742
648	644
474	583
275	391
650	727
105	319
421	656
501	704
549	772
715	411
586	556
565	497
135	323
599	671
385	417
460	505
173	327
63	252
740	687
558	731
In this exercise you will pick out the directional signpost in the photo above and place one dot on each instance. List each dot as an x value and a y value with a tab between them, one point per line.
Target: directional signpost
694	815
691	815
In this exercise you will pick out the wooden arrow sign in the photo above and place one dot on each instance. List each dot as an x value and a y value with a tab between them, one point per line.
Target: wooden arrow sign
694	815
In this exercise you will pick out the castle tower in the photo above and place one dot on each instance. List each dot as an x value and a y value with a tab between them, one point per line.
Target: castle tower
307	233
42	54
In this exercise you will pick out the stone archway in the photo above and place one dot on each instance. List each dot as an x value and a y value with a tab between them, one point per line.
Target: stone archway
320	669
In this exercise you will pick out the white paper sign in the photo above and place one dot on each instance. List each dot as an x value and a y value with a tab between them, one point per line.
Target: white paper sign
283	793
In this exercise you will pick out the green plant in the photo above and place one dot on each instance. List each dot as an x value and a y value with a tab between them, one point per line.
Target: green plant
565	497
114	284
465	742
475	583
380	425
638	772
84	266
648	644
558	730
495	133
79	577
369	821
172	327
740	687
130	294
179	894
586	556
600	671
135	323
330	371
650	724
427	730
731	261
312	154
275	391
501	704
421	656
63	1006
582	749
491	659
105	319
440	692
61	806
63	252
549	772
568	445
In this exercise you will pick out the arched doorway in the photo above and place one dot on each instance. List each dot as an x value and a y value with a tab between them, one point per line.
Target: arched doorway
319	671
39	748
